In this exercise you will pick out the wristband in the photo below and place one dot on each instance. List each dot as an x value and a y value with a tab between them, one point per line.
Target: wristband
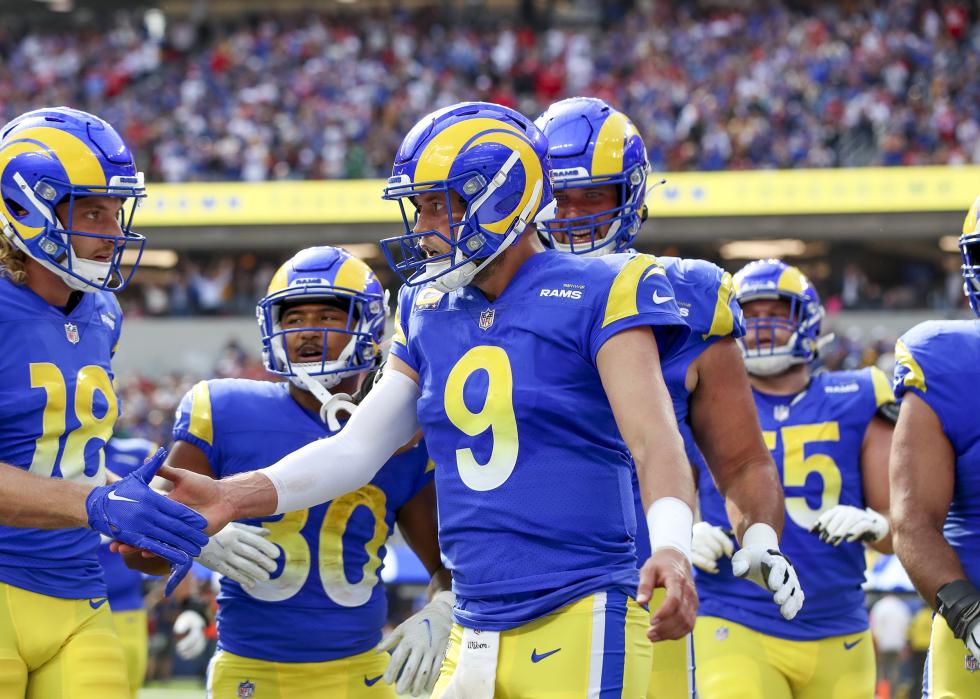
670	521
959	603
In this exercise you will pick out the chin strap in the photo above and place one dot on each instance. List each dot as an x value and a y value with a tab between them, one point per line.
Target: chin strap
330	403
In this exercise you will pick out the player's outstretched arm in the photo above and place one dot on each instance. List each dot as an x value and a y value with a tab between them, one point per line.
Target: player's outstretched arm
383	423
726	429
629	365
921	478
43	503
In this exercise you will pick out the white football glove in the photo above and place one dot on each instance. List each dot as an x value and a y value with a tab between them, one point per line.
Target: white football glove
708	544
418	646
242	553
847	523
761	561
189	628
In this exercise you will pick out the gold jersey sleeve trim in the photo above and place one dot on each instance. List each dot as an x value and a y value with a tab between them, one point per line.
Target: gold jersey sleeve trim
621	302
399	334
883	388
201	425
723	322
915	378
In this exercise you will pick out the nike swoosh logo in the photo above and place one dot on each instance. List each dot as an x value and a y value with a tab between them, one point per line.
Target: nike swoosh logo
658	299
371	681
113	496
535	658
428	628
848	646
96	603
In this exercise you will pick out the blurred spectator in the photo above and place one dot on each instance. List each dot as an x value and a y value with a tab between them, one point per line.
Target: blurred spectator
890	618
330	94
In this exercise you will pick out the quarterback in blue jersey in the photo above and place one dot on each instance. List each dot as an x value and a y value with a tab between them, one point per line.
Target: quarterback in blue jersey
534	376
830	434
312	629
68	186
935	479
600	170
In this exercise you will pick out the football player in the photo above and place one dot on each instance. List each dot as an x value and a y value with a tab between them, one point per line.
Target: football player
600	168
312	629
935	480
830	433
68	189
531	402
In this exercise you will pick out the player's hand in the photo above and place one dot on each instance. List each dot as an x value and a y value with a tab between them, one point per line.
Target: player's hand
418	647
761	561
189	630
847	523
708	544
241	552
201	493
129	511
669	568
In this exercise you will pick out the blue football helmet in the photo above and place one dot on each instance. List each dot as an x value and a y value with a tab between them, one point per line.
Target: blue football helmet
970	252
331	276
591	144
492	157
774	279
54	155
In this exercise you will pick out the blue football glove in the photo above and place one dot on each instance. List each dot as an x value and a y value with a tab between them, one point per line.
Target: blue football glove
130	512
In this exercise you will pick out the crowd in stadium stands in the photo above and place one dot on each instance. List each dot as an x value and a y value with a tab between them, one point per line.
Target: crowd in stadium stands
308	96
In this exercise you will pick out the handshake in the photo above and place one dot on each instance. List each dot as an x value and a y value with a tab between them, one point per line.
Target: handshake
131	513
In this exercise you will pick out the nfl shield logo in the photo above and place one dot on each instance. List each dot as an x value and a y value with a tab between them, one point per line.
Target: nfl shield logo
721	633
246	689
486	318
971	663
781	413
71	332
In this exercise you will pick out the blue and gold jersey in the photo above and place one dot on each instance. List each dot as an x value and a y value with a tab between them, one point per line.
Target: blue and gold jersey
939	361
57	411
325	601
534	480
815	438
123	584
706	299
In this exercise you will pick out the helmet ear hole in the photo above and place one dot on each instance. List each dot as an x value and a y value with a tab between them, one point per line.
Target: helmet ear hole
15	208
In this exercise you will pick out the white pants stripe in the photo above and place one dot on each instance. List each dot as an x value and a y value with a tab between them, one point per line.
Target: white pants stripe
598	645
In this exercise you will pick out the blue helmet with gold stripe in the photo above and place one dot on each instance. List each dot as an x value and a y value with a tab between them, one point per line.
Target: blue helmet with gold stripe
333	277
776	280
591	145
55	156
970	252
496	161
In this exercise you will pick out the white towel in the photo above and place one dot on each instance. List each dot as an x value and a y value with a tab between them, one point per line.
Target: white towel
476	669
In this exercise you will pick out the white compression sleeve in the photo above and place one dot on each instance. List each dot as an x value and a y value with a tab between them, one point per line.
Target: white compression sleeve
329	468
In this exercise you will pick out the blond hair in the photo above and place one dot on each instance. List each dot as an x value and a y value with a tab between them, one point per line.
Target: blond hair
12	261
